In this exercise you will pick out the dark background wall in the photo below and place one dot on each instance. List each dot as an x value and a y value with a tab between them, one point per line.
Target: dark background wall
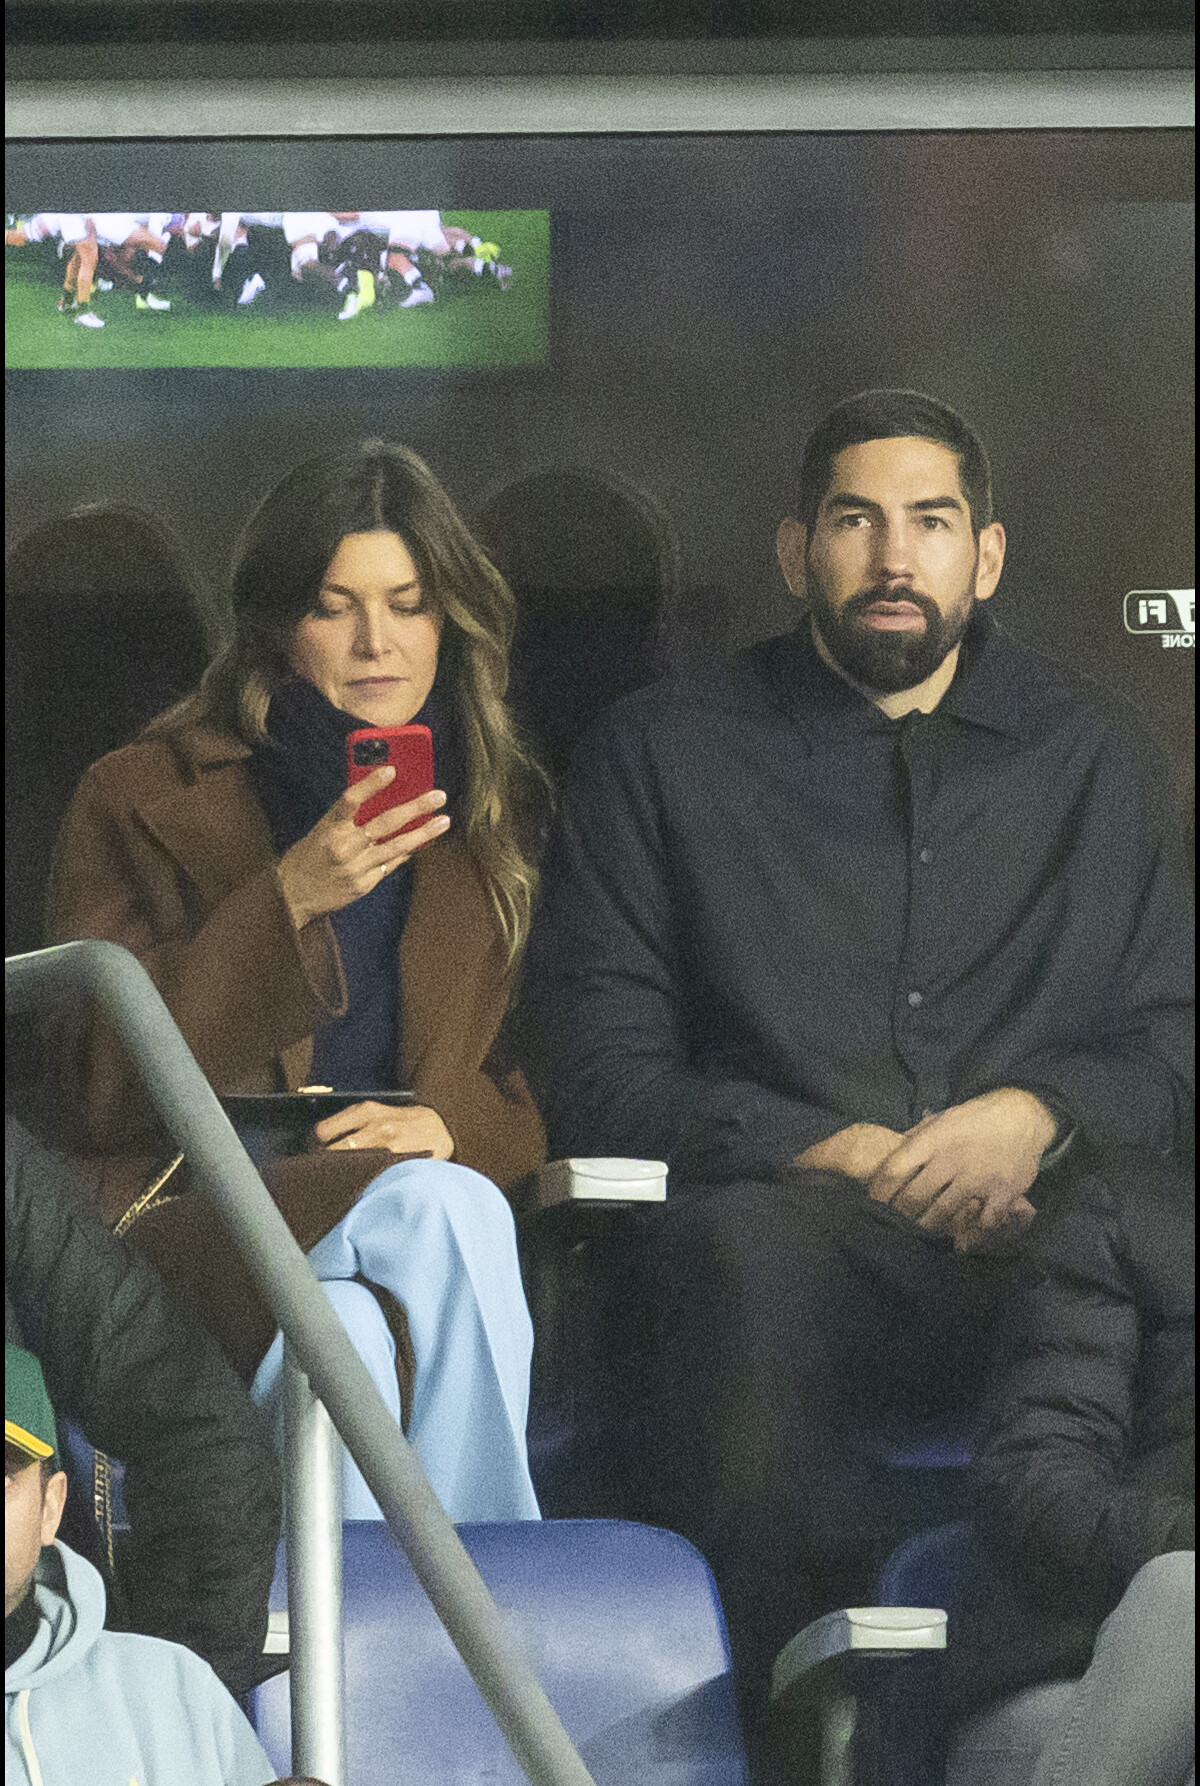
711	297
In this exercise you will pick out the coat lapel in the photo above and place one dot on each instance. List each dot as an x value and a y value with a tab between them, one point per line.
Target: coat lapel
452	971
211	825
215	831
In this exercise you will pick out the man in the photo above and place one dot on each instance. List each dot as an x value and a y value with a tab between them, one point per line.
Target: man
79	245
858	936
149	1387
411	235
82	1703
132	248
249	253
313	238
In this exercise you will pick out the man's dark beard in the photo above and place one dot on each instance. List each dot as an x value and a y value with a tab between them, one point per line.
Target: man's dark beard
888	662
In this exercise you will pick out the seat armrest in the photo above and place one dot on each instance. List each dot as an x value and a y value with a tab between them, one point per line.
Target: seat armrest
845	1651
836	1646
601	1181
831	1683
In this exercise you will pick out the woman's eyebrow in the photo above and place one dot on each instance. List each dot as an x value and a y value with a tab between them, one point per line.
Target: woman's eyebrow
340	588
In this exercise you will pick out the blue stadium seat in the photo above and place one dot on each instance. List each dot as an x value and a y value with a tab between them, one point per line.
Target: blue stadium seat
621	1622
927	1569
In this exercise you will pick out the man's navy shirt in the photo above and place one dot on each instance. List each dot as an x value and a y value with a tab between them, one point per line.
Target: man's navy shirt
771	911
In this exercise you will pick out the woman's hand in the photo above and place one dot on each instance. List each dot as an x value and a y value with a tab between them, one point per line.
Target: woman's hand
338	861
404	1128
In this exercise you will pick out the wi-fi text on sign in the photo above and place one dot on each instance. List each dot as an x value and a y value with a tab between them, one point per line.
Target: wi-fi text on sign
1166	614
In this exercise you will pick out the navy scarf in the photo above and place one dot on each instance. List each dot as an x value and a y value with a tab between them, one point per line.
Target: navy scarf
297	773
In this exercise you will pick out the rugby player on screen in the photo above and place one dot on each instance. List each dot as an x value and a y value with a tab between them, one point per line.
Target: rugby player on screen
132	246
421	247
241	236
78	244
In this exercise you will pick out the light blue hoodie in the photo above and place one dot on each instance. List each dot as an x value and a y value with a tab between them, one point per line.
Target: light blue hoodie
89	1707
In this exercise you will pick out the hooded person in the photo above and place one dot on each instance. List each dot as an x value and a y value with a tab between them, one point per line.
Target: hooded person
140	1382
81	1702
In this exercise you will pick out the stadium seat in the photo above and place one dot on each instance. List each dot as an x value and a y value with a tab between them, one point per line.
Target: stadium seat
590	565
621	1623
102	631
857	1695
102	627
928	1569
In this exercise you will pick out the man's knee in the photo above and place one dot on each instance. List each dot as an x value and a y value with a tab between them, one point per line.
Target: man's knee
779	1241
1165	1588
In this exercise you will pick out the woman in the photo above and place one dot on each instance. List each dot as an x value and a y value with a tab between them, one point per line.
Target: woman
1075	1649
294	946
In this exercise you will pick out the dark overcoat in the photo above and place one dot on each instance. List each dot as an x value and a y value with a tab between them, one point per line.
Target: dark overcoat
1087	1469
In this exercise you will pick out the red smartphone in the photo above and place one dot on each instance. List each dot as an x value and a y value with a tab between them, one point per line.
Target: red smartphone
409	750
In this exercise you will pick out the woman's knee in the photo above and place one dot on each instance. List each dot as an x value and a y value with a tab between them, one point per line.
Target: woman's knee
356	1309
441	1190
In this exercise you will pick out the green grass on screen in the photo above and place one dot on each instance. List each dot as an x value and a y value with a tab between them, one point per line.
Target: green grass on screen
471	323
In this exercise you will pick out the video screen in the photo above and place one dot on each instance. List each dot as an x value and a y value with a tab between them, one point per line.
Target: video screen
277	289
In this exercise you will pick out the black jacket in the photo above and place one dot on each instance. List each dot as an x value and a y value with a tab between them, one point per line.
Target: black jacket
1087	1468
146	1386
773	911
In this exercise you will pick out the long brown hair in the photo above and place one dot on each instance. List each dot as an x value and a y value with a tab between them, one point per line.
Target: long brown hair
281	558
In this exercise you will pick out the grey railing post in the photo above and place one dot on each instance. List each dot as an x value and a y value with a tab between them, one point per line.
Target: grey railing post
192	1112
313	1522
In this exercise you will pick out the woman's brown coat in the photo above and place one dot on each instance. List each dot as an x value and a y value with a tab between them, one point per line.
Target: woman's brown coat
165	850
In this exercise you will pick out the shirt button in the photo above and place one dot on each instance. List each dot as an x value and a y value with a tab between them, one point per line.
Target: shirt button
926	856
915	999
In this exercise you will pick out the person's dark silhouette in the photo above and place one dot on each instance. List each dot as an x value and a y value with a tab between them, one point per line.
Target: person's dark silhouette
102	630
589	569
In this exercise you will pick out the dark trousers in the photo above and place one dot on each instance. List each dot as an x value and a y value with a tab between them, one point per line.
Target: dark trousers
799	1325
264	252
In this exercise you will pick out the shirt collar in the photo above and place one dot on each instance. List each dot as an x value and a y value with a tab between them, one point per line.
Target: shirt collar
993	686
990	687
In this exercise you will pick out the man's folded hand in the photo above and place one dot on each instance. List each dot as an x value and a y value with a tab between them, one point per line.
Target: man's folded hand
965	1171
858	1151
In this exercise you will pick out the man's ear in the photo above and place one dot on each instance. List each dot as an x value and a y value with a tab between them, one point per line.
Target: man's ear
54	1499
991	560
790	544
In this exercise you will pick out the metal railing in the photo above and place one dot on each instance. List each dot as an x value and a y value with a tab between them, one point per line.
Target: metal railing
321	1350
313	1525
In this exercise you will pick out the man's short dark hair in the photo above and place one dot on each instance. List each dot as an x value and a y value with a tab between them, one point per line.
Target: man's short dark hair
17	1461
894	415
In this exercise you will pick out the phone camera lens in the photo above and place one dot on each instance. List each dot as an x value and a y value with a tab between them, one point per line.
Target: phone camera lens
369	752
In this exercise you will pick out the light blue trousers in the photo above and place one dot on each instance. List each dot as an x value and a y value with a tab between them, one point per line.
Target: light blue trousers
441	1239
1130	1721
